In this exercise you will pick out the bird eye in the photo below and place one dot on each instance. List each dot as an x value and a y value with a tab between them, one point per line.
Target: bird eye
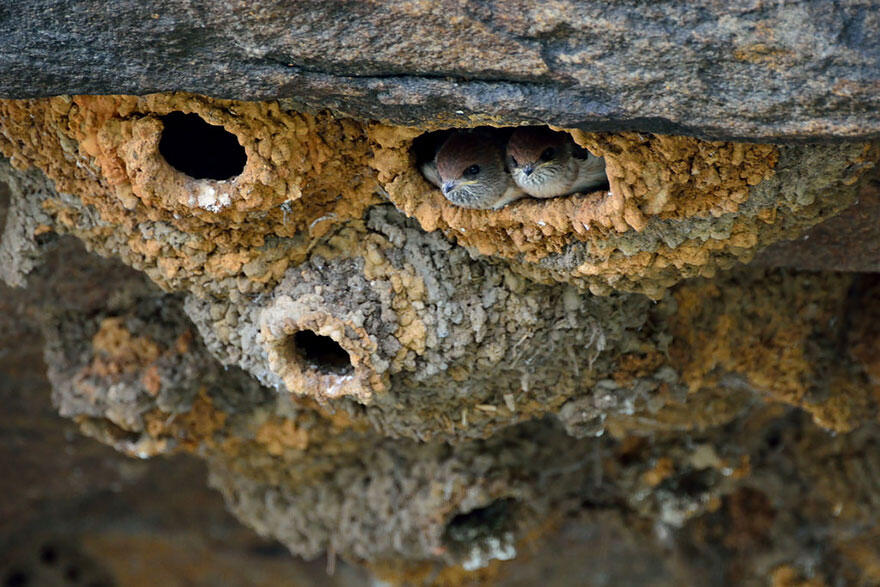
472	170
548	154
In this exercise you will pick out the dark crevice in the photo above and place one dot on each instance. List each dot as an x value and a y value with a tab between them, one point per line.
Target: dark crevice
375	72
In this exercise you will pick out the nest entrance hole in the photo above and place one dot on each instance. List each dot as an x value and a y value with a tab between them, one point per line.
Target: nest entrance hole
560	145
321	353
200	150
479	523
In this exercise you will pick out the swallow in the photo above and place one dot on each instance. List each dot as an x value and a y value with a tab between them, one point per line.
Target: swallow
545	163
470	172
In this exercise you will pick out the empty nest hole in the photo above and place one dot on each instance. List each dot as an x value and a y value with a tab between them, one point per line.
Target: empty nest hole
321	353
200	150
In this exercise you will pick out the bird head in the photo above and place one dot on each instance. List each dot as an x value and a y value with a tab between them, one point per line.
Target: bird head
471	170
536	154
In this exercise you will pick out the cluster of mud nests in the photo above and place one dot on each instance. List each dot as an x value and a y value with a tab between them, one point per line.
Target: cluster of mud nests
425	389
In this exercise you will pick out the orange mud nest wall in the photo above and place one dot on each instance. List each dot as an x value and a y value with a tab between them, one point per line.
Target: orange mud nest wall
677	207
372	370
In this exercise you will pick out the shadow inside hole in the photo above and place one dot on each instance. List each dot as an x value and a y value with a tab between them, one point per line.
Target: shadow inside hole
200	150
48	554
692	483
425	146
481	523
321	353
16	578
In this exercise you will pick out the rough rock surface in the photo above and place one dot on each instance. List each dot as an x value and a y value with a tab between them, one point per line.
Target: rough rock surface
754	70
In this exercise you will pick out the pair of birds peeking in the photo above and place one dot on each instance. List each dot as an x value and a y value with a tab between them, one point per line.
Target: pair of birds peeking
480	169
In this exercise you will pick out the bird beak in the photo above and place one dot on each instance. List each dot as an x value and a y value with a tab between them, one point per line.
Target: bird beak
447	187
528	169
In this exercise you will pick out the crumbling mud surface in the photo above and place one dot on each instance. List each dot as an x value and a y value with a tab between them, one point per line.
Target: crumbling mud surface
373	373
205	234
677	207
433	342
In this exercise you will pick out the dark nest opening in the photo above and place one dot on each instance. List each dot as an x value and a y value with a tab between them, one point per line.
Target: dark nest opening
320	353
200	150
